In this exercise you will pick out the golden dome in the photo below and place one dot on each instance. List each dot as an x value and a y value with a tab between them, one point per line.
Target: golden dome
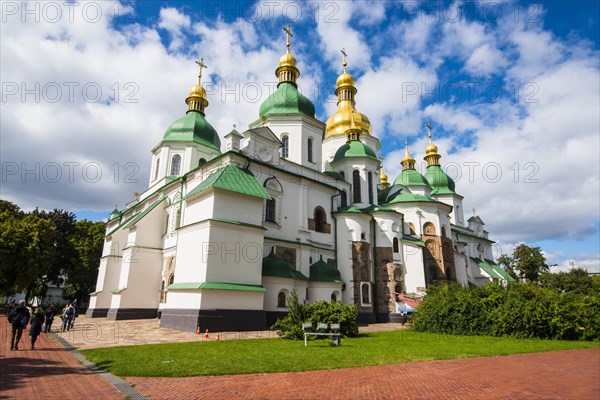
197	91
383	179
344	79
287	60
431	149
341	121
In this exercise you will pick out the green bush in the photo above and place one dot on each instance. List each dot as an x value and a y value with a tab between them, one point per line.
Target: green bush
290	327
521	310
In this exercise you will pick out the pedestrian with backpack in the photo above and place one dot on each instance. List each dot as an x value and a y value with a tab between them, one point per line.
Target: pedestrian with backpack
68	315
18	318
36	325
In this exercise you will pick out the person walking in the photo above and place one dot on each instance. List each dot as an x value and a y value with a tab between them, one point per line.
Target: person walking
18	318
50	313
35	329
68	314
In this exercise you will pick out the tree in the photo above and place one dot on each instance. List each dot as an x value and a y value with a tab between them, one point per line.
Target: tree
26	250
526	262
87	242
576	280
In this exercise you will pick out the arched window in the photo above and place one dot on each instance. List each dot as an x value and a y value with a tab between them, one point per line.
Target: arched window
411	226
285	150
344	198
171	279
270	210
365	295
201	161
333	298
167	225
443	231
370	188
175	164
310	149
356	186
320	219
343	174
281	299
156	167
398	288
395	245
428	228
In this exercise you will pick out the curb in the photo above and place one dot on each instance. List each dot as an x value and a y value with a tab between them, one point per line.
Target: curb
122	386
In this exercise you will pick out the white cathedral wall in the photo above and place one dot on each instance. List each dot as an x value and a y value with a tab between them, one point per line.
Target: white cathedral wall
456	214
197	209
190	262
143	279
237	207
231	299
234	254
274	285
461	267
414	278
183	299
323	290
108	280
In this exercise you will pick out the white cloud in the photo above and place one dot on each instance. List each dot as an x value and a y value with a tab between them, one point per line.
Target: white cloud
175	23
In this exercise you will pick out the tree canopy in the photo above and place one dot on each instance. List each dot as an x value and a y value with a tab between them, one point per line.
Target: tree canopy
526	263
41	247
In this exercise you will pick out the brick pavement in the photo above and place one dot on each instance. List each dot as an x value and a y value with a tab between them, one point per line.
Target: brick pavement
567	374
48	372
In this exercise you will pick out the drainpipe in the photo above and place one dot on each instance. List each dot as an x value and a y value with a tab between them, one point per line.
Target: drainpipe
335	243
374	236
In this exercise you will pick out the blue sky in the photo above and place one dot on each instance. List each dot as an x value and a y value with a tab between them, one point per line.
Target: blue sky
511	90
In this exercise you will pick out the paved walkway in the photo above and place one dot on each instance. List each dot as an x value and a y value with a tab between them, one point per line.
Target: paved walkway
48	372
53	372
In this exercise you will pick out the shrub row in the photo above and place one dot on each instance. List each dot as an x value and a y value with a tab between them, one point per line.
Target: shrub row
290	327
521	310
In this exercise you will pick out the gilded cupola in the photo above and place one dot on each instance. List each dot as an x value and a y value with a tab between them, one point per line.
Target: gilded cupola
431	151
341	121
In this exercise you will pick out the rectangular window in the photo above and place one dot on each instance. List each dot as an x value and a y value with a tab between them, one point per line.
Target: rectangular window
270	210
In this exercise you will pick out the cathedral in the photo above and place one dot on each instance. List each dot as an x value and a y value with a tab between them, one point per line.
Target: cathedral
226	231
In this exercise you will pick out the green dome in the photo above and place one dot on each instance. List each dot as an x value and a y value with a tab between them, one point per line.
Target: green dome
273	265
354	148
411	177
438	180
287	100
193	128
323	272
335	175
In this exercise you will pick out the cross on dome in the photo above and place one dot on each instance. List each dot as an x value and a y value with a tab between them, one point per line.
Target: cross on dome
202	65
289	34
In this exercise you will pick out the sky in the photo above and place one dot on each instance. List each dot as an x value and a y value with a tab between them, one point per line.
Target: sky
511	90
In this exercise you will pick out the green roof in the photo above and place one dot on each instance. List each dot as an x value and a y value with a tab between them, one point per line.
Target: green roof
323	272
193	128
216	286
413	240
235	133
118	291
411	177
401	194
439	181
487	268
287	100
141	215
373	208
500	271
233	179
354	148
273	265
335	175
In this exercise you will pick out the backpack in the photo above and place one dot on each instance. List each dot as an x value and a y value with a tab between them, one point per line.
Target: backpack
24	319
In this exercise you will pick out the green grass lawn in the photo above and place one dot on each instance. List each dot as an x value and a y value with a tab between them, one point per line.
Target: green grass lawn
278	355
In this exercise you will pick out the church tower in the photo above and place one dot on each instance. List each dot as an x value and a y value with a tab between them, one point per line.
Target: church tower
291	116
342	120
188	143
